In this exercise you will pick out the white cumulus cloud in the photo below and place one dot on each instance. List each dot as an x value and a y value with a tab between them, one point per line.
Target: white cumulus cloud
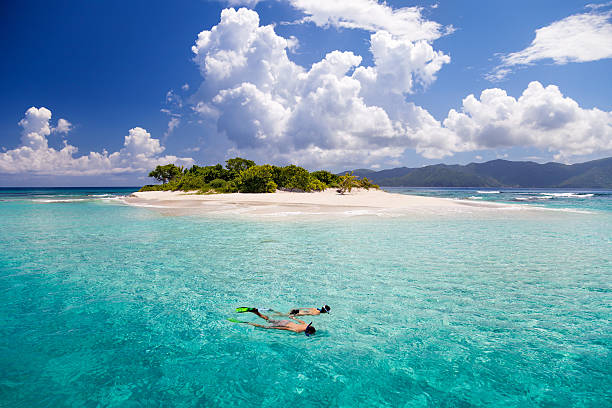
63	126
338	112
370	15
140	152
334	111
541	117
577	38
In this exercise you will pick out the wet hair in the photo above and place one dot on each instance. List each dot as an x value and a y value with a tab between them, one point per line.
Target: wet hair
327	308
310	330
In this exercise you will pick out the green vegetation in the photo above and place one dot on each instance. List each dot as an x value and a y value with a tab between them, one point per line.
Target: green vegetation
245	176
348	181
166	173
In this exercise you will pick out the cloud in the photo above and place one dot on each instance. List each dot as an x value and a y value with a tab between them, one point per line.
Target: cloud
334	111
370	15
338	112
63	126
172	124
577	38
541	117
247	3
185	86
140	152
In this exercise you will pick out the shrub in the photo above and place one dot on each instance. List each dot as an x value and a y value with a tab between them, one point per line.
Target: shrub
367	184
347	183
316	185
326	177
210	173
151	187
206	188
189	182
257	179
218	184
294	177
231	187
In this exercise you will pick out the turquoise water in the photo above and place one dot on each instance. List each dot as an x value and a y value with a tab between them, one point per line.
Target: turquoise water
108	305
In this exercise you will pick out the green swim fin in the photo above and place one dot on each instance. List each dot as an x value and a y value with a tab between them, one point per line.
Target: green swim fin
244	309
235	320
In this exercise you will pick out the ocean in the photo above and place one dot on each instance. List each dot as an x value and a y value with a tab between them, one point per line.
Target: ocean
107	305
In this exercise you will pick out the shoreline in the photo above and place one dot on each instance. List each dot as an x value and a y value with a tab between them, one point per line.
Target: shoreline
324	204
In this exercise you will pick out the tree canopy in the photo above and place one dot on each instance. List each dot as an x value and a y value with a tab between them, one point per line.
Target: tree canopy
245	176
166	173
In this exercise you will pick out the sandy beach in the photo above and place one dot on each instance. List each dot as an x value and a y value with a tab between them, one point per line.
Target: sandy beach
325	203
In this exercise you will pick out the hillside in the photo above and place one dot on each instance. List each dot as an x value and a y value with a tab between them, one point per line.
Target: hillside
498	173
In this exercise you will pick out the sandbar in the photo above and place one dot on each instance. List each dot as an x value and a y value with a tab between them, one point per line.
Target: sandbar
326	203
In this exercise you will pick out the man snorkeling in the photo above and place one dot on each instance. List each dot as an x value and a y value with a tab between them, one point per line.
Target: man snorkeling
299	327
309	311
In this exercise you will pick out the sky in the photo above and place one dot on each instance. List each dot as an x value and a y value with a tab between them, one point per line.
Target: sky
98	93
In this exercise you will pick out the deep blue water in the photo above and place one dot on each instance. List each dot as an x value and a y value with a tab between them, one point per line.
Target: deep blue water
102	304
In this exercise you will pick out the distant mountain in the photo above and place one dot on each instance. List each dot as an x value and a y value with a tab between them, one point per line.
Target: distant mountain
497	173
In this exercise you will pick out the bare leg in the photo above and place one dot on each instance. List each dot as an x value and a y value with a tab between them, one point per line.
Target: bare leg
259	314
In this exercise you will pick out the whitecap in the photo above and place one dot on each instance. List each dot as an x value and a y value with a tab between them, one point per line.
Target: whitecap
568	195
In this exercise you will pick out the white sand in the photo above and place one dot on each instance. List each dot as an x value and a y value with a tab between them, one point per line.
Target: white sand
326	203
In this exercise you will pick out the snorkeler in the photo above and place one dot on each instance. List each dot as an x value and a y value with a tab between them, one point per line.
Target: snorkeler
299	327
309	311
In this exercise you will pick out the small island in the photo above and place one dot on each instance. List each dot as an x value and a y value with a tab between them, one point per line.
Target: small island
242	188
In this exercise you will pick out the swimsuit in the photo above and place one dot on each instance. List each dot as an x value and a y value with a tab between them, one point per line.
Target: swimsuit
279	323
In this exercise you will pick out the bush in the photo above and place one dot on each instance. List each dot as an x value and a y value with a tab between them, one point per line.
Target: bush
326	177
210	173
257	179
151	187
316	185
231	187
218	184
170	186
189	182
294	177
206	188
367	184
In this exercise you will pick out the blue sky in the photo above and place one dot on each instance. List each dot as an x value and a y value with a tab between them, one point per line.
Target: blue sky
123	79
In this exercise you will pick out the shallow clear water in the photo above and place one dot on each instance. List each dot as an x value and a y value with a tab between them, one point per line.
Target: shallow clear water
107	305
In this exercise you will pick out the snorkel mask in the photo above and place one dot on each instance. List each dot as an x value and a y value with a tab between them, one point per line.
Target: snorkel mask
306	329
324	309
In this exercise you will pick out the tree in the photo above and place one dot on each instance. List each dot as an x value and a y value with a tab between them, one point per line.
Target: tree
294	177
237	165
210	173
166	173
326	177
347	182
257	179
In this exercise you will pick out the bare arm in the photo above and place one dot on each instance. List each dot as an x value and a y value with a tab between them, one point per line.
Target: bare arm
297	320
